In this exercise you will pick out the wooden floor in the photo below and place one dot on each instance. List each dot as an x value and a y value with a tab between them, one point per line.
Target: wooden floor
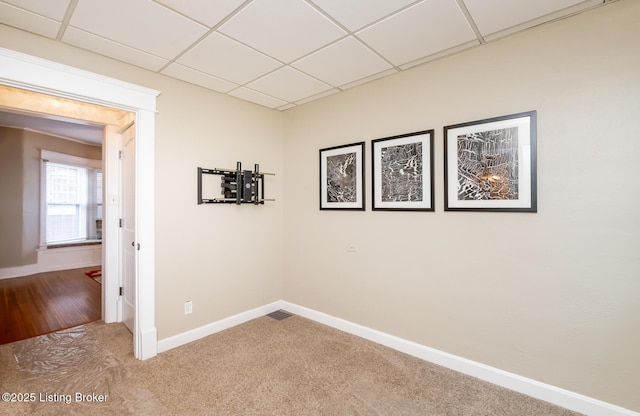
47	302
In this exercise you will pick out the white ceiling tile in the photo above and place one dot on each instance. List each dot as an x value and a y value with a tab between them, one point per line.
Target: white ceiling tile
28	21
53	9
281	53
288	84
198	78
112	49
343	62
356	14
141	24
257	97
283	29
227	59
207	12
421	30
494	15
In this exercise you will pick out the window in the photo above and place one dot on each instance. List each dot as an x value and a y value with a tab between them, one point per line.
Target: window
72	199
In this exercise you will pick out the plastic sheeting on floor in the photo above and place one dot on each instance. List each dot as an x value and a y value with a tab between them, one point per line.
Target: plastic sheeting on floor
71	372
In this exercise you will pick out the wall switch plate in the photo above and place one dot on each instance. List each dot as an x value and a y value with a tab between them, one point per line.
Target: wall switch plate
188	307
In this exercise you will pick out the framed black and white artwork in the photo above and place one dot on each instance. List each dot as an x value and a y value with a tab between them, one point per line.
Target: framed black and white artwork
402	172
490	165
342	177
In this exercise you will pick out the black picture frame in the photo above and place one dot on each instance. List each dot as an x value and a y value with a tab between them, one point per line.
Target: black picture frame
402	172
342	177
491	164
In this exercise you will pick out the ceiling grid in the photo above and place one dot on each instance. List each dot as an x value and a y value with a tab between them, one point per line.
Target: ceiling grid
281	53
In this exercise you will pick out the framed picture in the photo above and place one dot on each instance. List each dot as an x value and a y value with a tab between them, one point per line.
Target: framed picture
402	172
490	165
342	177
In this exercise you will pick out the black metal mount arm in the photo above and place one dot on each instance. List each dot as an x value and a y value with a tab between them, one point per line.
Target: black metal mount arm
237	186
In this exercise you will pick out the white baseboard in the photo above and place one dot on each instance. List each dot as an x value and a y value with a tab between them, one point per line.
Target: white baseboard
149	347
50	260
203	331
19	271
546	392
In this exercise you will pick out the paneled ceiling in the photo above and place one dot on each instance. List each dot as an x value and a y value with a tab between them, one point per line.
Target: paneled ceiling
281	53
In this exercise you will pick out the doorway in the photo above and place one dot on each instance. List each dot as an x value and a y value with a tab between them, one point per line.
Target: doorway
64	147
38	75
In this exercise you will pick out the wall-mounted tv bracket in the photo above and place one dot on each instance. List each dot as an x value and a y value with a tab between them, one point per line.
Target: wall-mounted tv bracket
237	186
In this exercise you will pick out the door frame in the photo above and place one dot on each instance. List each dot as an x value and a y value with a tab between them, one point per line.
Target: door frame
127	229
39	75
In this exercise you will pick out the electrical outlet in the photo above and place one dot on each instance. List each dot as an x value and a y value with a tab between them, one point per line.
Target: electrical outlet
352	248
188	307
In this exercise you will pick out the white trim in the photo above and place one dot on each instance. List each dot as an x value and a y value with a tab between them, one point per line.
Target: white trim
217	326
62	258
548	393
35	74
148	344
145	311
111	305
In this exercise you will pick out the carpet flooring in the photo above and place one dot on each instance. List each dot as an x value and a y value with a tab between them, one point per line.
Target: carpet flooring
291	366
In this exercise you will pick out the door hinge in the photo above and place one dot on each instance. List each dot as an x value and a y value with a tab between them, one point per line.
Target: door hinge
121	291
119	154
120	222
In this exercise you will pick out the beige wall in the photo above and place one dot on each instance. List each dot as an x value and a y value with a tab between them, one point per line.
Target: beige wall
11	197
225	259
555	295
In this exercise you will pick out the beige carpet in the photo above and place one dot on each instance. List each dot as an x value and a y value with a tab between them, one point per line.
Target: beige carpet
263	367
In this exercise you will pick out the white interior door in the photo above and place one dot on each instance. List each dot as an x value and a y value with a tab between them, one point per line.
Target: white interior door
128	229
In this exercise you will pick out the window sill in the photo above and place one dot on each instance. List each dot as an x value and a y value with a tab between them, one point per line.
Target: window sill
78	244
